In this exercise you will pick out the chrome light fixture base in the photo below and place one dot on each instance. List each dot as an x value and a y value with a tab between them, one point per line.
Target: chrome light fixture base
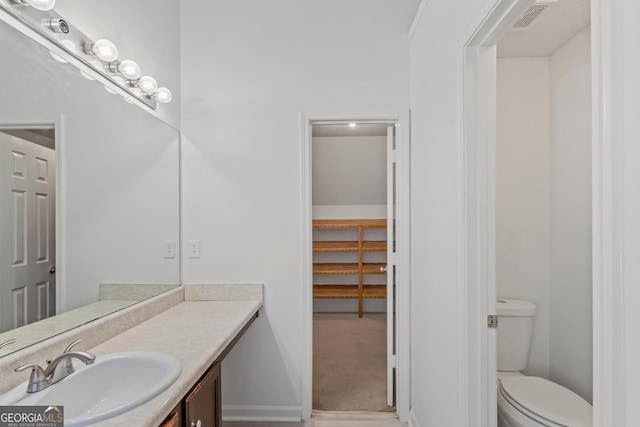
58	31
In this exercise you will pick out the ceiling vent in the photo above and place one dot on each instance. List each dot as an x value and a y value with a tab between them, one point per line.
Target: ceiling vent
530	16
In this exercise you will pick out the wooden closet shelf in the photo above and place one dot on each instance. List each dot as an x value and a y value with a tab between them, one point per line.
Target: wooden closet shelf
349	246
348	268
335	291
349	291
349	223
374	291
355	243
374	246
335	246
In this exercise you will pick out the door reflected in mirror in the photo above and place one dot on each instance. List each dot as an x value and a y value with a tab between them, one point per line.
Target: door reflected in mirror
27	226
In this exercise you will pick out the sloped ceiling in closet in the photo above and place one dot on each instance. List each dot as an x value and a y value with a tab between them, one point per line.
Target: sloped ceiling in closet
349	165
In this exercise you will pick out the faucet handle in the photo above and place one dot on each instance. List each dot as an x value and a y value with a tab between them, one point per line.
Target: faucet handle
37	379
70	346
7	342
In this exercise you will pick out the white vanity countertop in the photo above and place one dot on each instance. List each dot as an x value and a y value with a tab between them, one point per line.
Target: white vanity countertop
195	332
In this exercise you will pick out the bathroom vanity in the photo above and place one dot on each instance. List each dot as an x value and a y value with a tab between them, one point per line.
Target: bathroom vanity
198	325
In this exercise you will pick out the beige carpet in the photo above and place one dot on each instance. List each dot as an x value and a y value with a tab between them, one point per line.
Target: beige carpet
349	362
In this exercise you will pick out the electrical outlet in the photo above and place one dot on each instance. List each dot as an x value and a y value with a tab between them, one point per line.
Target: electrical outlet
194	248
169	248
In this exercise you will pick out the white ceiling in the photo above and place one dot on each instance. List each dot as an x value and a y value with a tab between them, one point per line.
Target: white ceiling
361	129
553	28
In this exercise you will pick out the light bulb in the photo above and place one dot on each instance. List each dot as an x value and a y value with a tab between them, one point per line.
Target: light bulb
163	95
41	4
129	69
105	50
147	84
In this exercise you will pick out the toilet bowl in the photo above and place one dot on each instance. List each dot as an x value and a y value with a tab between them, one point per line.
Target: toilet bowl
527	401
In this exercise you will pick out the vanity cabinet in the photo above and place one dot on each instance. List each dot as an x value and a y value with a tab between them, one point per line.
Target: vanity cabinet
174	419
202	405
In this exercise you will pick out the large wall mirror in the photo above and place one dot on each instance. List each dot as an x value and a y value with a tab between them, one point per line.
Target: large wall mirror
89	195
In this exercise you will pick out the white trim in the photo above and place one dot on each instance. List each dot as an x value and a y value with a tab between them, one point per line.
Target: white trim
261	413
413	420
61	215
403	373
416	19
476	217
306	374
403	274
609	403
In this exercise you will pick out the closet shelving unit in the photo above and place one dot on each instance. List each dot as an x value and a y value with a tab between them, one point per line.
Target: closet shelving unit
361	269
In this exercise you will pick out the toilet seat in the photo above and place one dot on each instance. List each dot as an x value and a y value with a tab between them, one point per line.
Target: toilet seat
548	403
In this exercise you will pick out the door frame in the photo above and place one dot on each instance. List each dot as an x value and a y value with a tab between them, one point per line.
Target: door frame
403	286
476	215
476	142
57	122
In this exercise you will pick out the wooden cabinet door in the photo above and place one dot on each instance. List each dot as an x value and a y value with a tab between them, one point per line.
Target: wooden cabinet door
203	405
174	419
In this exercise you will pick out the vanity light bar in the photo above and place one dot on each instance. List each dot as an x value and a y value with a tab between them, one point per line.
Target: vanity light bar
101	56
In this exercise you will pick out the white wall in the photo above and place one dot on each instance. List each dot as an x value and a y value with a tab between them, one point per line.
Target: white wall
571	358
627	227
249	68
522	193
435	85
349	170
544	205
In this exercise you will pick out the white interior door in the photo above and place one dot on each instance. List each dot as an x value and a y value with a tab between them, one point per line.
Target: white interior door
27	232
391	261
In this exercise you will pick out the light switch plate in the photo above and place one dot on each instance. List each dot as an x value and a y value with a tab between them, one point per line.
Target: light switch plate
194	248
169	248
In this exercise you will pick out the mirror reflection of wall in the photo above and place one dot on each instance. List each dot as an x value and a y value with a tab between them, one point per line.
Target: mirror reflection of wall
118	178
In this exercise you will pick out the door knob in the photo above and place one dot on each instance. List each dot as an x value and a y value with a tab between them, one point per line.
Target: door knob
52	270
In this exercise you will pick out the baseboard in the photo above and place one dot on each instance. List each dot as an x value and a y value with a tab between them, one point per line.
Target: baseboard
413	420
261	413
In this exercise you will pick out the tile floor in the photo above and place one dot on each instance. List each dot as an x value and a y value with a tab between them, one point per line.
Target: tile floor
331	419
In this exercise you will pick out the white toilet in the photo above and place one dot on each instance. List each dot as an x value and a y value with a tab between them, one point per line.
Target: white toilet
525	401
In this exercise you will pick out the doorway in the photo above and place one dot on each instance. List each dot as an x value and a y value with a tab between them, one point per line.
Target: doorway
360	227
478	188
350	250
543	186
27	225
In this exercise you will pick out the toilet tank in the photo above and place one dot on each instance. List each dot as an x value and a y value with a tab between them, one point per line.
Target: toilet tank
515	330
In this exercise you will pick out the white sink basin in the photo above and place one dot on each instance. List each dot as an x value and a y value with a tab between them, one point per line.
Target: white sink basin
113	384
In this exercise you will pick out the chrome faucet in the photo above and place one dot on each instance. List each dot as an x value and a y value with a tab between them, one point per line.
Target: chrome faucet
57	369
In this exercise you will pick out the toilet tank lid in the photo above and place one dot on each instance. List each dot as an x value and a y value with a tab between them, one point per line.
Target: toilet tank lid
515	307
